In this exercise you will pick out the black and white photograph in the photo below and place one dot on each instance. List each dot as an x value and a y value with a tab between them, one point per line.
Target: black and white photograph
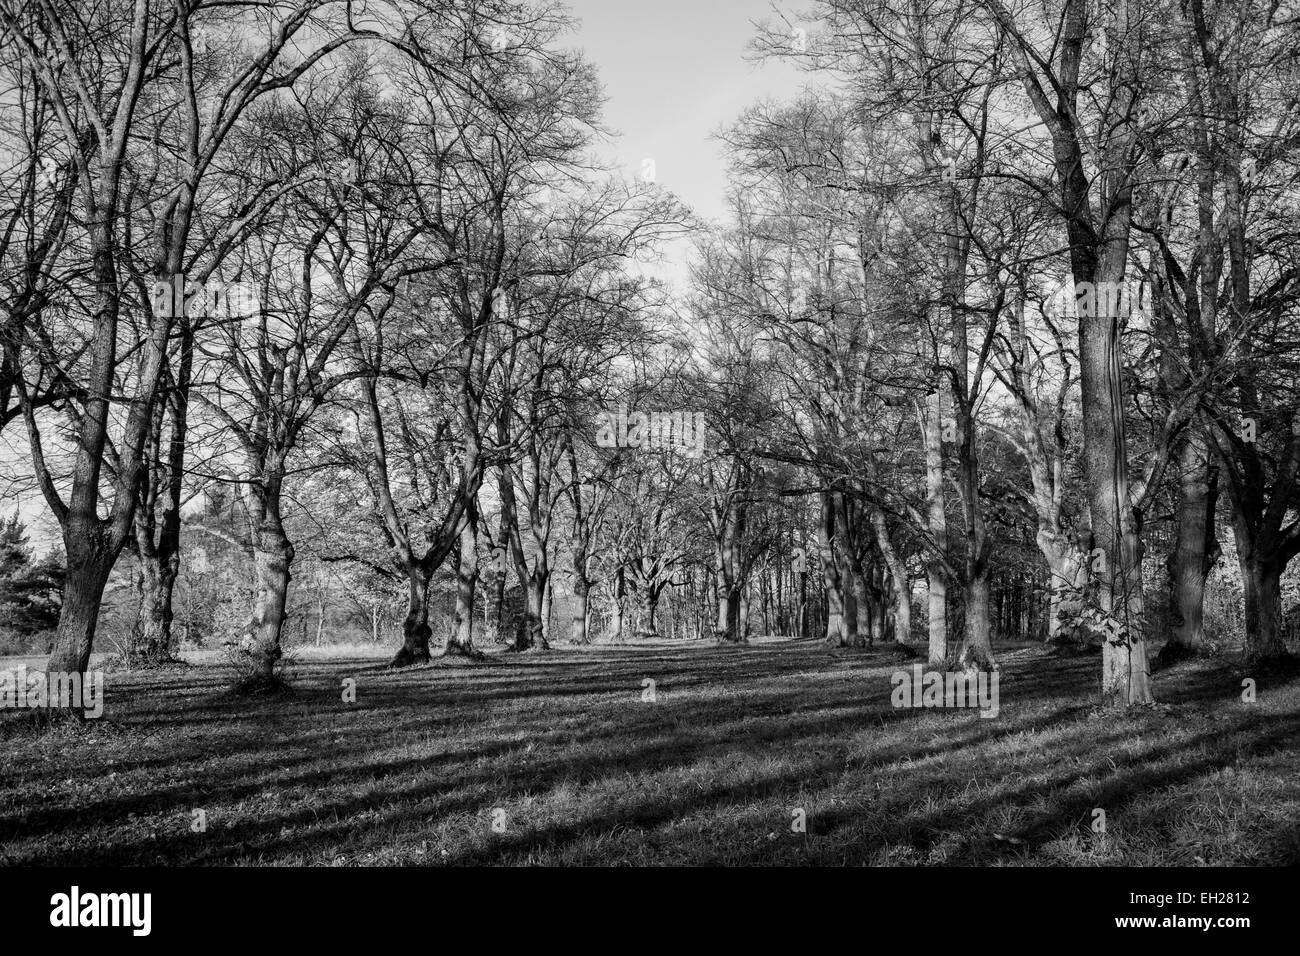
695	434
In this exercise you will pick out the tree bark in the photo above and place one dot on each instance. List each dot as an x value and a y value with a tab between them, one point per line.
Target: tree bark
1262	582
416	632
83	593
1190	561
461	639
902	584
616	604
936	518
841	610
579	622
728	623
151	638
272	557
533	635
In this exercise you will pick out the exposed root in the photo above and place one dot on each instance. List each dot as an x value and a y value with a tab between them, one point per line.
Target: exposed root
154	663
255	676
408	657
261	685
460	652
976	659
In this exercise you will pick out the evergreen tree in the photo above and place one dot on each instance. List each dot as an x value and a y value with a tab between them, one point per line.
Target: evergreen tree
29	589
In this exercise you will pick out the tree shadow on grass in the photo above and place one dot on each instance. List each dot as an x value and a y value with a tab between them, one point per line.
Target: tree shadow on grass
278	749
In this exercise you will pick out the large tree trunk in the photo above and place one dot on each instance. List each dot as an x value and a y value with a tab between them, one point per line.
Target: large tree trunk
801	609
499	573
977	651
875	597
83	593
92	546
1067	573
272	558
1263	592
936	518
841	612
648	598
902	584
461	640
742	612
836	632
548	601
730	576
415	627
865	608
728	623
1190	561
579	623
151	638
1125	674
1097	213
977	646
160	563
616	605
533	634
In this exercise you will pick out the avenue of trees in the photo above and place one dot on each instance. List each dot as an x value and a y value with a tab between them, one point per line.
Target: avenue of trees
998	341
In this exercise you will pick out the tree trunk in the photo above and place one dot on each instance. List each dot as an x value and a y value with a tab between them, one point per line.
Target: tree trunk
461	640
649	601
877	597
533	635
863	605
1125	674
936	518
548	602
616	610
977	646
151	637
579	623
897	568
83	593
1190	561
415	627
977	653
728	623
495	606
801	613
742	613
1263	592
272	558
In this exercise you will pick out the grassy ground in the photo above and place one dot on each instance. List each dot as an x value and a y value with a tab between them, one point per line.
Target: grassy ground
561	753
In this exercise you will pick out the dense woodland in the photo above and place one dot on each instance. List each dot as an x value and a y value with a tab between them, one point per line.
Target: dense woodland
324	317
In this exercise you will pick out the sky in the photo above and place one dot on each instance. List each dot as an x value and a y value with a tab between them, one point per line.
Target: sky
674	71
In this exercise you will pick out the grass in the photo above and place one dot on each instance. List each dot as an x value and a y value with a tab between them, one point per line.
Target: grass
561	752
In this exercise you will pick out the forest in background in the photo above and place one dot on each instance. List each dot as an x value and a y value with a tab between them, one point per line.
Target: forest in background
320	318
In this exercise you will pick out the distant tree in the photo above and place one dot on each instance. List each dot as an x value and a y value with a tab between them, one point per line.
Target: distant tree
30	589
